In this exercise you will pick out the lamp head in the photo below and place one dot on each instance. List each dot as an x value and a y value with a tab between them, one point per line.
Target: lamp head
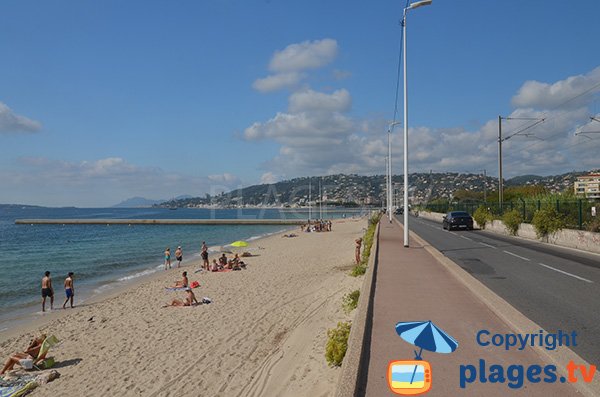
419	4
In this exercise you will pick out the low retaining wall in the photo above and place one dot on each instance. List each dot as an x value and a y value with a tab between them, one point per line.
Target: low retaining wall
580	239
355	361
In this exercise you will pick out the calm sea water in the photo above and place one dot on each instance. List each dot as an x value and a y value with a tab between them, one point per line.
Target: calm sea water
103	256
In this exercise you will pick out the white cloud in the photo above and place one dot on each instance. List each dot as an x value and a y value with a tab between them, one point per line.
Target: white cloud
268	178
11	122
309	100
102	182
287	66
341	74
534	94
317	136
277	81
305	55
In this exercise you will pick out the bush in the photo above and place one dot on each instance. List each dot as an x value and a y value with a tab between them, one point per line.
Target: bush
482	215
350	301
337	344
547	221
358	270
512	220
594	225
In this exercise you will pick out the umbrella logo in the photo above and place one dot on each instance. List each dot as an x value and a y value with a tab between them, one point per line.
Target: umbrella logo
413	377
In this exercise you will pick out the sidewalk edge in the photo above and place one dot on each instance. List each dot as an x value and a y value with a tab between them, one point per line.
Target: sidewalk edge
355	362
512	317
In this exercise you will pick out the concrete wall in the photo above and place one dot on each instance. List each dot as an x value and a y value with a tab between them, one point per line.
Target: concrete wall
586	241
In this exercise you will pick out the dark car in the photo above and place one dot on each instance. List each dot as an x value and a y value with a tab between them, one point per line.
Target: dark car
457	220
400	211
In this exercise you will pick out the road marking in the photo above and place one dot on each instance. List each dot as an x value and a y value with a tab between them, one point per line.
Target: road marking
487	245
568	274
452	233
518	256
466	238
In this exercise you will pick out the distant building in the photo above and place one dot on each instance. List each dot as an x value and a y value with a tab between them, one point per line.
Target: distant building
588	186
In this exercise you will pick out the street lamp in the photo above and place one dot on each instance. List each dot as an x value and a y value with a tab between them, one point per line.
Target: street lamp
410	7
390	185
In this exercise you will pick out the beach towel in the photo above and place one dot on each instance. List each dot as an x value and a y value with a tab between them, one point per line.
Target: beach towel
18	390
176	288
222	270
195	284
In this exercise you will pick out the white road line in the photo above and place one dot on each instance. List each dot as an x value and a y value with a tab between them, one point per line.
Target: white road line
568	274
487	245
518	256
452	233
466	238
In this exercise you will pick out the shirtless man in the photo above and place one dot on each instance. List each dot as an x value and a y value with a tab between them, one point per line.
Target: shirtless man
179	256
190	299
204	254
69	290
47	291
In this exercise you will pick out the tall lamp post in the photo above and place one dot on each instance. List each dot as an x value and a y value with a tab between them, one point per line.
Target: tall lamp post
390	185
410	7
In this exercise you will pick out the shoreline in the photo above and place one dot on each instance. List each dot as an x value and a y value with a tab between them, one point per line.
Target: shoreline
263	334
102	290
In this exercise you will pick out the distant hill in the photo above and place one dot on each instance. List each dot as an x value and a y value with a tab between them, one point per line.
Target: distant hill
137	202
352	190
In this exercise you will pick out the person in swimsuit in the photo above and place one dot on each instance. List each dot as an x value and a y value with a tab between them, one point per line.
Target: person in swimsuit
179	256
167	258
204	254
31	353
358	244
183	283
190	299
69	290
47	291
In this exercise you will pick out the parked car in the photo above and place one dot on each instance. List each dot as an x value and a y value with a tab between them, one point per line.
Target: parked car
457	220
399	211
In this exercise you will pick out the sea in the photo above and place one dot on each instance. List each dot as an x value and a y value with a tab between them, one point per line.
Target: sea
106	257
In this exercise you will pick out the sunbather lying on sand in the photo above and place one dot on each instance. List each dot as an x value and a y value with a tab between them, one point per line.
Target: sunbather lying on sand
190	300
31	353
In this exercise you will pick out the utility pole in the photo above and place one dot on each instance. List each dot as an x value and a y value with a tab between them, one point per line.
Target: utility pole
484	187
500	140
309	199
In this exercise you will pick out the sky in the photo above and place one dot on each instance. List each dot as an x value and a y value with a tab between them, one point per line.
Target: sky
101	101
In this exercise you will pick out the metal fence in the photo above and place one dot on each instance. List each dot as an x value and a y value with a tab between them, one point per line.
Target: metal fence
576	213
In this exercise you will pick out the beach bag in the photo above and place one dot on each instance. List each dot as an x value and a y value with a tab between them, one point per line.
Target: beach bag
26	363
48	363
195	284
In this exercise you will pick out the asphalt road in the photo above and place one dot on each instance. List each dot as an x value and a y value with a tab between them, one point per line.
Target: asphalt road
557	288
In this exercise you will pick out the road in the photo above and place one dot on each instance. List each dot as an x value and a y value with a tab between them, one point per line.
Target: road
558	288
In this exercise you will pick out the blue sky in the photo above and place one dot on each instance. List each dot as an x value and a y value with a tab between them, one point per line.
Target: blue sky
104	100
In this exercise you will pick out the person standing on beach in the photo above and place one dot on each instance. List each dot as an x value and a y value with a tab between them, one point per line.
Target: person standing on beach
358	244
179	255
47	291
69	290
167	258
204	255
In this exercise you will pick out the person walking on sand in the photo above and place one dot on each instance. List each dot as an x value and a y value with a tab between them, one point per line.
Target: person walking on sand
47	291
204	254
358	244
167	258
179	255
69	290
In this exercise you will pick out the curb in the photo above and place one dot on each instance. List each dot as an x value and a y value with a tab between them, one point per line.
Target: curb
512	317
354	369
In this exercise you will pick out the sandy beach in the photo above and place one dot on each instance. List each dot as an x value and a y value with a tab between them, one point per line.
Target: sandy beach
264	333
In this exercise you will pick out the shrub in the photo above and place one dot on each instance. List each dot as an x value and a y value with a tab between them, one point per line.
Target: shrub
547	221
482	215
350	301
594	225
358	270
512	220
337	343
